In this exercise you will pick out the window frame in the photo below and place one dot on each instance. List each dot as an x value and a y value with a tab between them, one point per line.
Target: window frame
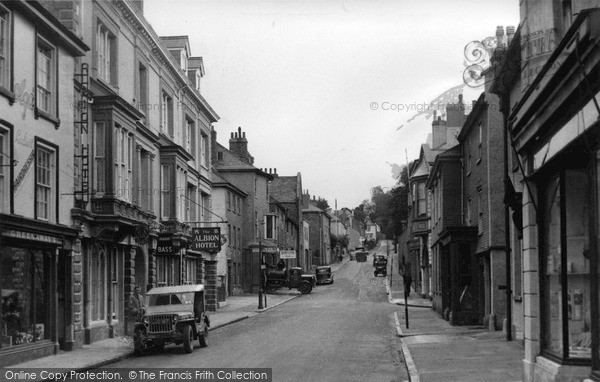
166	114
51	113
6	169
106	70
6	72
53	176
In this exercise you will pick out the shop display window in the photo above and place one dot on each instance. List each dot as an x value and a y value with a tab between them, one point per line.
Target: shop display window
566	281
25	296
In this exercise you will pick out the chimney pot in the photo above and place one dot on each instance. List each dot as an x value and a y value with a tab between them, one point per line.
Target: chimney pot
231	135
460	98
244	135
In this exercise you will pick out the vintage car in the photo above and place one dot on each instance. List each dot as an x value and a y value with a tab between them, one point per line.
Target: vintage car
173	314
324	275
378	258
294	278
361	256
380	264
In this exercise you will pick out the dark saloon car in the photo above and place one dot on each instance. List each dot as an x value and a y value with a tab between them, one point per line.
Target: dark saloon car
324	275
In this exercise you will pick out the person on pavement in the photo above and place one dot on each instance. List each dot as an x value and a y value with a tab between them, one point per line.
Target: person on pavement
136	304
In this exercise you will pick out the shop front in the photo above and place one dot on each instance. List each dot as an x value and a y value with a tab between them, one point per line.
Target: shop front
460	276
555	129
34	316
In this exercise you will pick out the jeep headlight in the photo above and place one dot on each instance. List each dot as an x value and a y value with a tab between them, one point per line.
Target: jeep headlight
145	320
175	318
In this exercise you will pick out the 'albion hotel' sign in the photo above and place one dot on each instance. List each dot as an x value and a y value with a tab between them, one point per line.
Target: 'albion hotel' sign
206	239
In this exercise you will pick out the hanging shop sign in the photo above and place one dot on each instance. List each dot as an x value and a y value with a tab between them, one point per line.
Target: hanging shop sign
142	233
165	244
206	239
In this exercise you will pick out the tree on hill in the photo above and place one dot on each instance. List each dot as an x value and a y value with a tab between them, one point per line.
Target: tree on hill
322	203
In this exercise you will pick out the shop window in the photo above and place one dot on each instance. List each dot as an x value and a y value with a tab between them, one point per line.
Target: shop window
26	296
46	78
566	281
5	39
5	166
98	283
45	181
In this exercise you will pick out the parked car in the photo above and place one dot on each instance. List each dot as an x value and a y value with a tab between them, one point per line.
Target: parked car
174	314
324	275
378	258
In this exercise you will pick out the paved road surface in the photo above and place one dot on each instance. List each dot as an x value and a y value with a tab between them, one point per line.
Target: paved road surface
339	332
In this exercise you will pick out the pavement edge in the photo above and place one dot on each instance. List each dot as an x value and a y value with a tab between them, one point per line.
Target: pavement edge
410	363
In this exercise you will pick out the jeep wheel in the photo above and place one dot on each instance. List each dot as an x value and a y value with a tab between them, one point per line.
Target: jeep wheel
305	287
203	338
188	338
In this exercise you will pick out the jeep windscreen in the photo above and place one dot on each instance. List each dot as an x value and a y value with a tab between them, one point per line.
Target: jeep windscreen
171	299
323	270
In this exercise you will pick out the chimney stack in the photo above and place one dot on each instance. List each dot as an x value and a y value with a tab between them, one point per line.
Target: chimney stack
510	34
238	144
499	36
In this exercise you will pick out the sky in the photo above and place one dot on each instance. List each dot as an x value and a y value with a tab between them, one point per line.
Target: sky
327	88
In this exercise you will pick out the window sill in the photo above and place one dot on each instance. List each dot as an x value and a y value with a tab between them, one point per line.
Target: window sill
469	173
8	94
478	161
47	116
518	298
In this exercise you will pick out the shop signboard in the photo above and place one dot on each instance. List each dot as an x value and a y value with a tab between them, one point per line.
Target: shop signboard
165	244
287	254
206	239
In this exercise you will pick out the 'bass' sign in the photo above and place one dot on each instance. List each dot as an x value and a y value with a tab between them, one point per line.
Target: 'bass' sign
206	239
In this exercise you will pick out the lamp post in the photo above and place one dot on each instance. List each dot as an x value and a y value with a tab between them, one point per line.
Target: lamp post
261	285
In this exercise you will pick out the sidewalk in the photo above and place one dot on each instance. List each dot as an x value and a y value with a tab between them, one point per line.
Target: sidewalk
112	350
434	350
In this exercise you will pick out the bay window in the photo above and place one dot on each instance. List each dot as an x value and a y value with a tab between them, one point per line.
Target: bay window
123	162
99	157
165	199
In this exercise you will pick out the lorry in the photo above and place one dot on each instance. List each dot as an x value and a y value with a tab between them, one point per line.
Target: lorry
361	256
292	278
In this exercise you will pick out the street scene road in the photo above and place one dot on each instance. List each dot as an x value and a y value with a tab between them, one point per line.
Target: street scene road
340	332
